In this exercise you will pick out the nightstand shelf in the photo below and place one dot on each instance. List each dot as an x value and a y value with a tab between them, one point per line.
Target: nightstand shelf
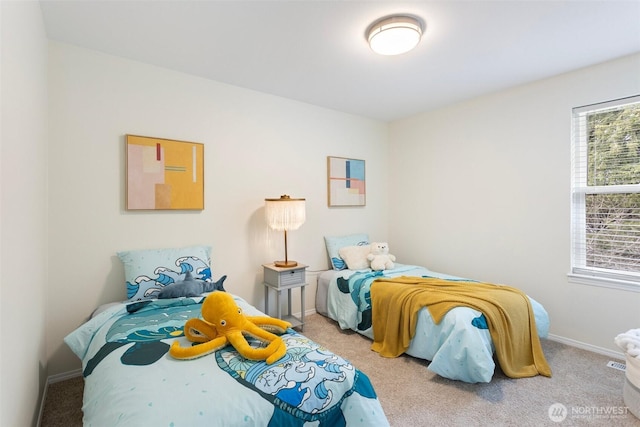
285	278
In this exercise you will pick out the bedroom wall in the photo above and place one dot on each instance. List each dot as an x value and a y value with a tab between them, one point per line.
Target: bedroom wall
481	189
23	205
256	146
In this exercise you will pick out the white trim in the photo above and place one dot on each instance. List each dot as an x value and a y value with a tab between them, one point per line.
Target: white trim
573	343
602	282
55	379
44	396
64	376
607	189
599	106
307	312
611	276
584	346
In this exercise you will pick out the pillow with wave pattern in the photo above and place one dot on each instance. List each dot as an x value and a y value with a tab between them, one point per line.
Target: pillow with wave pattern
148	271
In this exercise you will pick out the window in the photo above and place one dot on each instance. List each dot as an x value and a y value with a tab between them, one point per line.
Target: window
606	194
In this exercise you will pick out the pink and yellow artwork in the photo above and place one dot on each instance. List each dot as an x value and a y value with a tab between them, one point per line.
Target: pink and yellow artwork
164	174
346	182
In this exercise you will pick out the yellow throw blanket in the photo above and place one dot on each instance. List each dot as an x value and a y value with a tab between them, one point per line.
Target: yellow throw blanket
395	303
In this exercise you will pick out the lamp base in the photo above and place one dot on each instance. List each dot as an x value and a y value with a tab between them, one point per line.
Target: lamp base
285	264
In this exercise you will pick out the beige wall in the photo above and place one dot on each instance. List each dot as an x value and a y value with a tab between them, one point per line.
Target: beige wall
481	189
256	146
478	189
23	212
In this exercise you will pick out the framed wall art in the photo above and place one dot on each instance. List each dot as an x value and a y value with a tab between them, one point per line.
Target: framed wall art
346	182
164	174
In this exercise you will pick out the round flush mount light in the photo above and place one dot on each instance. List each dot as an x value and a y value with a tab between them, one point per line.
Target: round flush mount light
394	35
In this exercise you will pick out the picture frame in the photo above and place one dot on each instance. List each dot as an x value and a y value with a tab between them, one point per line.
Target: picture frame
163	174
346	182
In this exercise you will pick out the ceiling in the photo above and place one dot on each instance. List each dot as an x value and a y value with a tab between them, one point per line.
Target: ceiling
316	52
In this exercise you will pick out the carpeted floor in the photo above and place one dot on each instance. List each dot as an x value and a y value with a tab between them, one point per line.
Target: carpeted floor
411	395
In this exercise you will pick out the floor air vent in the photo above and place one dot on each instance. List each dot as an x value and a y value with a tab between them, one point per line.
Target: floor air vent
617	365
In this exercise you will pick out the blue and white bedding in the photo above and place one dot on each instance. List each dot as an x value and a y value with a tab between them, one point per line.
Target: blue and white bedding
131	380
459	347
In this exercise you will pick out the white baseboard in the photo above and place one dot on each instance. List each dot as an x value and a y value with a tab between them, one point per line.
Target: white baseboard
54	379
588	347
578	344
64	376
568	341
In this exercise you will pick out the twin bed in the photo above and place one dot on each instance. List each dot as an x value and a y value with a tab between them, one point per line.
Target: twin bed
131	379
459	346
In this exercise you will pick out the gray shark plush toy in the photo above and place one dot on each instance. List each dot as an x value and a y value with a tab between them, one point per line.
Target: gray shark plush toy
190	287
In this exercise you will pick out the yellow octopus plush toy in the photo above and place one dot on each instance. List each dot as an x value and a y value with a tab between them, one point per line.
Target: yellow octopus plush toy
223	322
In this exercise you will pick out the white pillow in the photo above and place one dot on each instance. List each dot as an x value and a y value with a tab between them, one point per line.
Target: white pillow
334	243
355	256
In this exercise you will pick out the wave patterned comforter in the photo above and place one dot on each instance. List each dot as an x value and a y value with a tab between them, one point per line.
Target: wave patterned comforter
459	347
131	380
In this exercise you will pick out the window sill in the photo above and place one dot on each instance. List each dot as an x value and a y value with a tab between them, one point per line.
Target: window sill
623	285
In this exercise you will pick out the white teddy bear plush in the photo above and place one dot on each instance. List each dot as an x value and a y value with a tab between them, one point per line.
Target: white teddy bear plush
380	257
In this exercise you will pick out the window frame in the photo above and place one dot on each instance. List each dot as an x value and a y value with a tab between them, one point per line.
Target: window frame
579	271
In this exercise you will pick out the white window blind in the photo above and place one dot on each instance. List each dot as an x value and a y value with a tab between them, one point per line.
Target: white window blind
606	192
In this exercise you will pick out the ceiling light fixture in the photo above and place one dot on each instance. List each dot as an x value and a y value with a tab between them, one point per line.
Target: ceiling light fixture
394	35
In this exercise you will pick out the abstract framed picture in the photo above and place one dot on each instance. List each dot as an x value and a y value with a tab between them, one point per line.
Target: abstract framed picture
164	174
346	182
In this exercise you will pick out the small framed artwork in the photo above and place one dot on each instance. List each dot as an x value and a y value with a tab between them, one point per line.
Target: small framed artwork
164	174
346	182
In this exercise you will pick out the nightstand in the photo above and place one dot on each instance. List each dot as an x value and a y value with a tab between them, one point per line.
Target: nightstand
285	278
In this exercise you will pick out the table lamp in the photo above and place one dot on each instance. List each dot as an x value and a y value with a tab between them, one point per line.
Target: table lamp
285	214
